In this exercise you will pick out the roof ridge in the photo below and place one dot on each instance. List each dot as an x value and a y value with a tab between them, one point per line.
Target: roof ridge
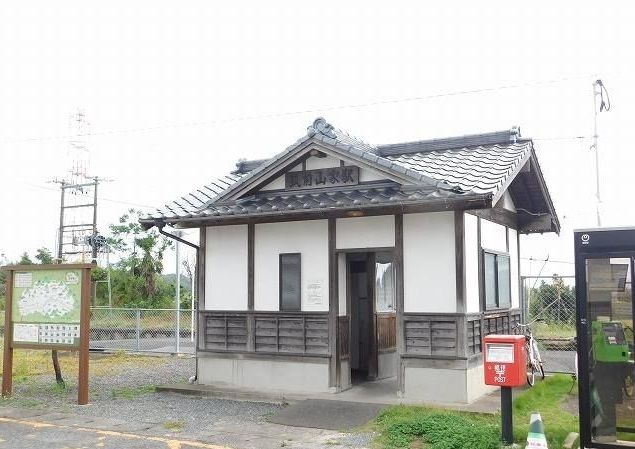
509	136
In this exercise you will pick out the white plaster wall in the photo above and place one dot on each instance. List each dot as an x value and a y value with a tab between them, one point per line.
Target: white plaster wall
513	262
493	236
429	265
365	232
367	175
341	283
471	254
264	375
309	238
226	268
313	162
276	184
507	203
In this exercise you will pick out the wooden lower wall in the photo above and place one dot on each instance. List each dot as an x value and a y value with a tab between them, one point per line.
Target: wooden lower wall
454	335
306	333
298	333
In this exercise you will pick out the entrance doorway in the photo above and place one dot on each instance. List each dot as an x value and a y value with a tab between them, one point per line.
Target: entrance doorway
371	308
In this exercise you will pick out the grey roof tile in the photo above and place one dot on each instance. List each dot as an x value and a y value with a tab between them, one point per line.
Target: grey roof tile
478	164
483	169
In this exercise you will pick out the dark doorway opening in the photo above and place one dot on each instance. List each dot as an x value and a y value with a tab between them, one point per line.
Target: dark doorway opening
360	285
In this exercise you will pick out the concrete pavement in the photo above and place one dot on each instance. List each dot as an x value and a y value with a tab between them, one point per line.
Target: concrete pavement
24	428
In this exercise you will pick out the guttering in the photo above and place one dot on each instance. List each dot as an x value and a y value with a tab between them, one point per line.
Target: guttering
160	224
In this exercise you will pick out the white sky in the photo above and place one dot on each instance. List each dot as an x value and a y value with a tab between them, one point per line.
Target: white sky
196	74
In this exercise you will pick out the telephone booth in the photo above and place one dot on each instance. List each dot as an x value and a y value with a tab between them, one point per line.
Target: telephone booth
604	269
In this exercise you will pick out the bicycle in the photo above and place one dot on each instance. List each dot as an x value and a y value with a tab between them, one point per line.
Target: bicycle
534	361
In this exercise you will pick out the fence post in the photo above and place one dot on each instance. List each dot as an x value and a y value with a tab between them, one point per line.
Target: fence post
177	331
138	327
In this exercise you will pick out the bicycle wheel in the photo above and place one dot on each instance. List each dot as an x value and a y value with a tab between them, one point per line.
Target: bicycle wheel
531	374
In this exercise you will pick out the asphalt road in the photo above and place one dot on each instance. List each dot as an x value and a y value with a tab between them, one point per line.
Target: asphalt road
554	361
164	345
23	433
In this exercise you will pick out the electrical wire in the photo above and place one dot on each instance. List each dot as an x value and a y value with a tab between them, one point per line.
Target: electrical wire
309	111
110	200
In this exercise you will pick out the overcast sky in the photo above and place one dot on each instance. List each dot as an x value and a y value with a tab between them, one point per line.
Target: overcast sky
177	92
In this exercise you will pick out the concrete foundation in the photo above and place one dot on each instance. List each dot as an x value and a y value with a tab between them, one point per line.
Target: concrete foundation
280	375
445	385
387	364
431	384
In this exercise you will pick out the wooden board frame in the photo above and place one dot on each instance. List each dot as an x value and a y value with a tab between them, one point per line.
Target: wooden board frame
84	323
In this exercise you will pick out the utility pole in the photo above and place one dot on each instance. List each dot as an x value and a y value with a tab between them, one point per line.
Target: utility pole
598	91
178	293
77	228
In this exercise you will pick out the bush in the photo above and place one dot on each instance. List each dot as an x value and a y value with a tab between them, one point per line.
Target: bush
439	430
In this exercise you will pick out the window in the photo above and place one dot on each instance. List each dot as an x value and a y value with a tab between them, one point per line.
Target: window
290	287
497	282
384	283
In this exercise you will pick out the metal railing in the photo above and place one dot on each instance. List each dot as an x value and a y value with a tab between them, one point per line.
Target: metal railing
549	306
142	330
139	330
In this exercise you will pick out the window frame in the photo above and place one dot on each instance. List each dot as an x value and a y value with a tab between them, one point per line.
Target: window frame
498	306
280	257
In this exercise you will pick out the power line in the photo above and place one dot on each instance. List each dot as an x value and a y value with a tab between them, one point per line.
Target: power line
314	110
532	259
110	200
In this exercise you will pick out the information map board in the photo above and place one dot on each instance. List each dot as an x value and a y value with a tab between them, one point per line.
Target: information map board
48	307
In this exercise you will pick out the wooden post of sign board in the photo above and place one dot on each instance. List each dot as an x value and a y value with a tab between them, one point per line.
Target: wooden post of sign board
84	337
7	360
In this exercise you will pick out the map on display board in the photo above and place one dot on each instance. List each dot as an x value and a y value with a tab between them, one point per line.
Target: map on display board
47	307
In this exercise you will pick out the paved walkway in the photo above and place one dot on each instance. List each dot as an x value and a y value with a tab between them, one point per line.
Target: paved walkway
377	392
23	428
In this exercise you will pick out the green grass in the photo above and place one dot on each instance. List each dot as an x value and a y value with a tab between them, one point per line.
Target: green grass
546	398
174	426
132	392
433	428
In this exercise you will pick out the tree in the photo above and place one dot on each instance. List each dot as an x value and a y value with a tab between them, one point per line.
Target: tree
553	302
25	259
141	261
44	256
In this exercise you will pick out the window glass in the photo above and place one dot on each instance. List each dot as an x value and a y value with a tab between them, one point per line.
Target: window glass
290	287
610	356
504	287
489	267
384	283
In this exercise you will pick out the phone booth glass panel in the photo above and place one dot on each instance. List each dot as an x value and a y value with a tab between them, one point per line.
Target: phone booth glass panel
604	267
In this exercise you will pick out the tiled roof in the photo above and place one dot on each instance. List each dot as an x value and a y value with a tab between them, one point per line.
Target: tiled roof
466	166
193	202
480	169
310	200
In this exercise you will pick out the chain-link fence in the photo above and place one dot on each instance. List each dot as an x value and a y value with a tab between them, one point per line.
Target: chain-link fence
139	330
549	306
151	330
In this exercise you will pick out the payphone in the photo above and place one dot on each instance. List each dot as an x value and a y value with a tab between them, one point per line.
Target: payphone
604	267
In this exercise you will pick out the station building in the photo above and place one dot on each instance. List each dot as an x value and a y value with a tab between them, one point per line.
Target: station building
337	262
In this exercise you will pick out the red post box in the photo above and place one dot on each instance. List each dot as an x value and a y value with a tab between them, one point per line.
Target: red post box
505	360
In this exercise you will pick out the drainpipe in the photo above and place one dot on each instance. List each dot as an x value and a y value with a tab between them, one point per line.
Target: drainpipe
160	225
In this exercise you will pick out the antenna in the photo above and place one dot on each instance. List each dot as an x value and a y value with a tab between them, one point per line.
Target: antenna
77	237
